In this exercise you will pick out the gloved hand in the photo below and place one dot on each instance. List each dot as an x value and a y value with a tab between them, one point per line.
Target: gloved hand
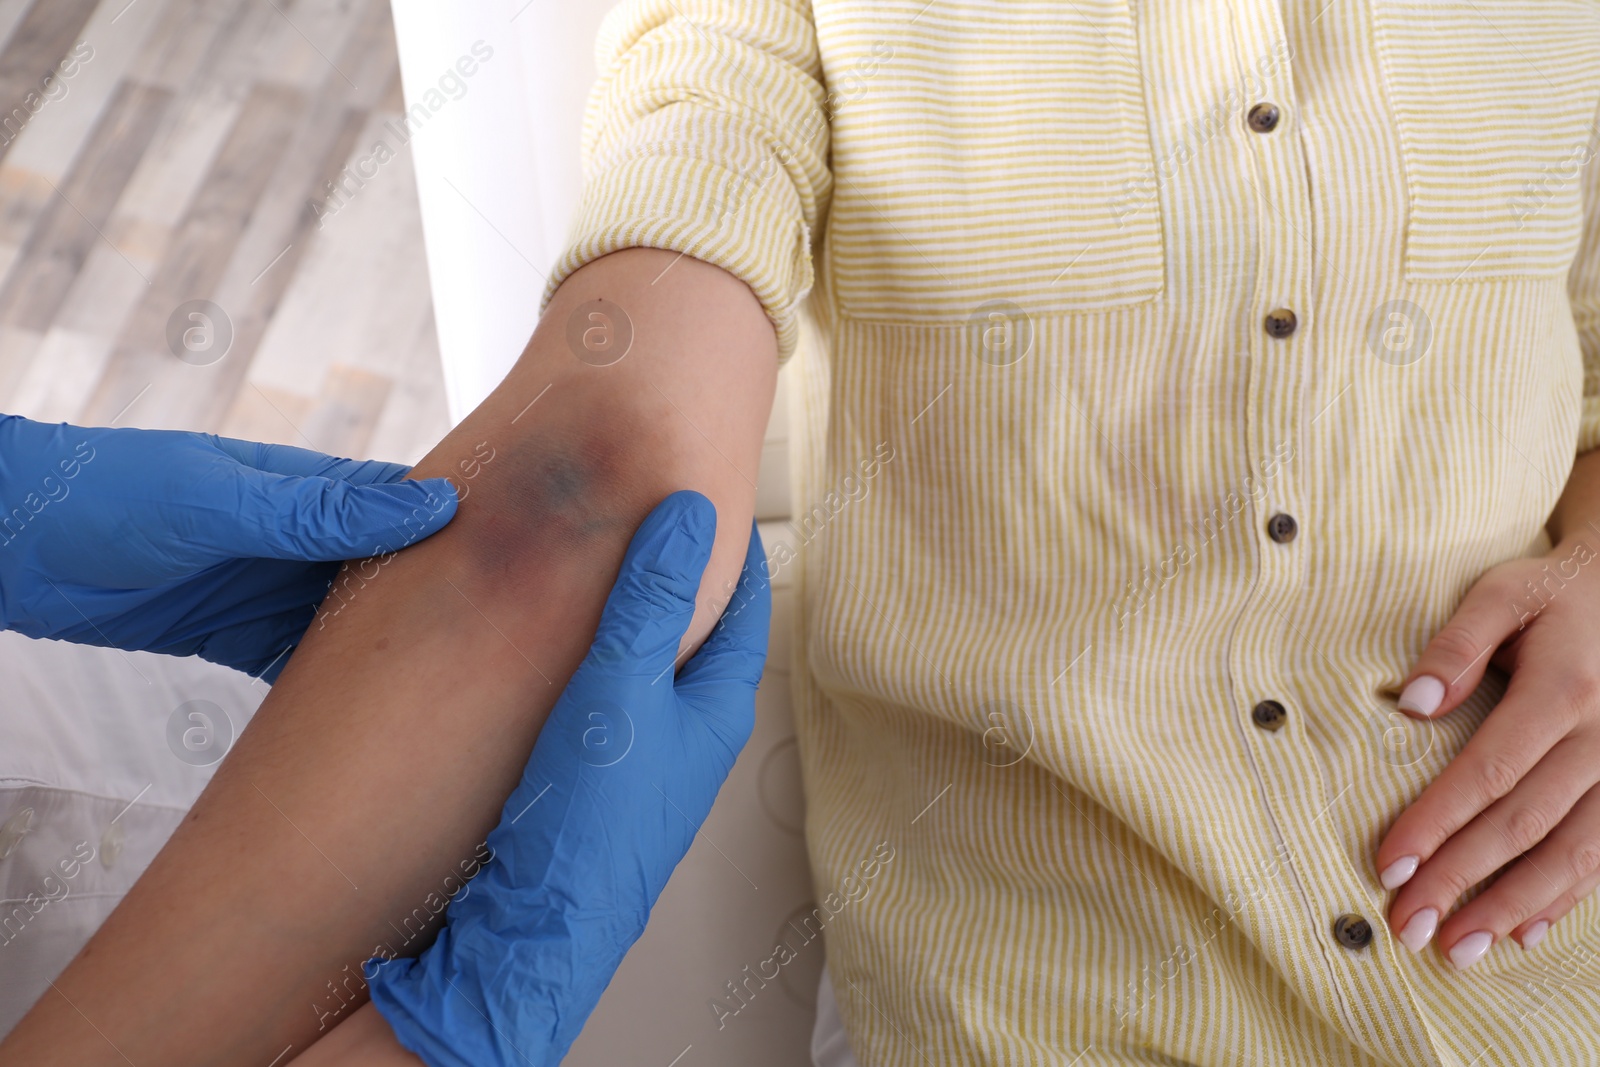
622	776
188	543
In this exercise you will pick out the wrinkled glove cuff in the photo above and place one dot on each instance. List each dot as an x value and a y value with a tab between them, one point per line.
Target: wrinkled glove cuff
488	997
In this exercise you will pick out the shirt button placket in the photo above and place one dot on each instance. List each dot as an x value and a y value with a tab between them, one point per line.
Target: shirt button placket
1285	383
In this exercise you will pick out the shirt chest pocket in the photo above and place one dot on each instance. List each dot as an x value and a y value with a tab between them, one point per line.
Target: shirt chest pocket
1495	106
988	151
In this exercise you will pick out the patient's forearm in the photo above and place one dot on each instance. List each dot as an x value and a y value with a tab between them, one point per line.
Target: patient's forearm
363	1040
362	790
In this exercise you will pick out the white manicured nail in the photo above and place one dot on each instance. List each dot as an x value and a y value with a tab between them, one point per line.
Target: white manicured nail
1535	934
1470	949
1419	929
1399	872
1422	695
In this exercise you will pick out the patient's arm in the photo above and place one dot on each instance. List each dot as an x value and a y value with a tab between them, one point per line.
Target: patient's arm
361	792
363	1040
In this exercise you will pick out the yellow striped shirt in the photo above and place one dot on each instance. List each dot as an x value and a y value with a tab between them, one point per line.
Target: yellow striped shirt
1033	260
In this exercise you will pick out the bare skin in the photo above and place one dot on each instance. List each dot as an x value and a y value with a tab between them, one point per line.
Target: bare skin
1524	794
358	798
363	1040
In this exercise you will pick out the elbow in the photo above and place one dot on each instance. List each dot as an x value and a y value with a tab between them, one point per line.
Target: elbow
550	510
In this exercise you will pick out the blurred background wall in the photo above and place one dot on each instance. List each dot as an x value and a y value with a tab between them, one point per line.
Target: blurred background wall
363	218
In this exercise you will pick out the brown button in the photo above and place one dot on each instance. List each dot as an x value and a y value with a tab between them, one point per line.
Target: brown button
1282	528
1352	931
1280	322
1263	118
1269	715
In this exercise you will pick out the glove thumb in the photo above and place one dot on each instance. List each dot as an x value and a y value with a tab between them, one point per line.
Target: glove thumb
325	519
653	600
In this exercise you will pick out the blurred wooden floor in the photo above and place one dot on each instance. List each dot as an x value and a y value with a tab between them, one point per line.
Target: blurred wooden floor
187	156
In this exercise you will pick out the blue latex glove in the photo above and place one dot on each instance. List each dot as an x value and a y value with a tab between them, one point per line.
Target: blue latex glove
620	780
188	543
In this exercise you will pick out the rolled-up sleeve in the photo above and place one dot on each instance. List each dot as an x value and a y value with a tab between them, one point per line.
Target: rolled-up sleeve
706	133
1584	290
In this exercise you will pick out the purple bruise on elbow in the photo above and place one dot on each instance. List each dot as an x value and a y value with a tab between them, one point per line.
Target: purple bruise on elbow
550	504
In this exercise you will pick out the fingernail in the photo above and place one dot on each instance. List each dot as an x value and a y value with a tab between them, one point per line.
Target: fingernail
1419	929
1470	949
1422	696
1534	934
1399	872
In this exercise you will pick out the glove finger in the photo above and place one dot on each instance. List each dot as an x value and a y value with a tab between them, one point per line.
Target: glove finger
736	651
653	600
243	614
259	648
323	519
257	635
306	463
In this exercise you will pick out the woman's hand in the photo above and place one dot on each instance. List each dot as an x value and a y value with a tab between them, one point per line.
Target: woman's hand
1521	792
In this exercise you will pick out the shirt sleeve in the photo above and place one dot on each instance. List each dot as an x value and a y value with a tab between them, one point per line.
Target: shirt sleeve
707	133
1583	285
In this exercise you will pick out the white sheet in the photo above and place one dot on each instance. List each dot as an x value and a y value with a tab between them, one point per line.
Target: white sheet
86	773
